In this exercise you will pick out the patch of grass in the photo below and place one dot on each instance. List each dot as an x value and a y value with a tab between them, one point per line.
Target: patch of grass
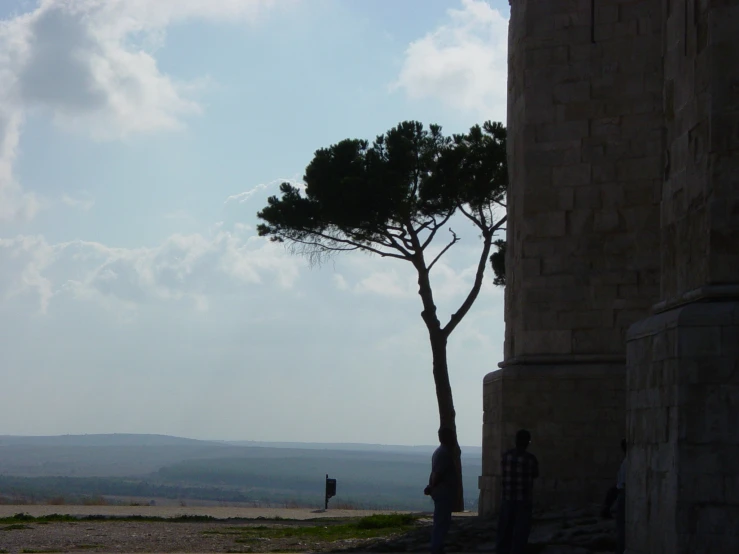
326	531
55	518
89	546
14	527
31	551
385	521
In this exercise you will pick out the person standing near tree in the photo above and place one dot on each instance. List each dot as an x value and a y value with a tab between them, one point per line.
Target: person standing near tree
519	468
442	488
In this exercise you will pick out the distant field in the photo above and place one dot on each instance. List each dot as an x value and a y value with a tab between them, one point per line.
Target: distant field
104	469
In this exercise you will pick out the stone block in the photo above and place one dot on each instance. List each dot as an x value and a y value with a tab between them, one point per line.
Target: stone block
566	200
571	175
716	520
606	13
606	126
587	198
606	221
596	341
545	225
612	193
637	124
584	319
698	342
539	177
571	92
730	342
639	169
604	173
567	131
640	193
731	488
637	218
547	342
540	201
547	56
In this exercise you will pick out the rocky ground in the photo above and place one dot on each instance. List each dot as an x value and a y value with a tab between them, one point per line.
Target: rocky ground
573	532
564	532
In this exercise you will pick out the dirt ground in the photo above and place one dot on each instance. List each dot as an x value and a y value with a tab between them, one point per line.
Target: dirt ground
127	536
115	535
218	512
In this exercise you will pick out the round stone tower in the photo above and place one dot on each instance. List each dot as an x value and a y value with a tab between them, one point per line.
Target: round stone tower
622	295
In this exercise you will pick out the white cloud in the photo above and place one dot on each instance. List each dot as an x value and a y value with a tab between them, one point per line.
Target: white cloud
23	261
183	267
244	197
463	63
84	204
88	64
340	282
386	283
15	204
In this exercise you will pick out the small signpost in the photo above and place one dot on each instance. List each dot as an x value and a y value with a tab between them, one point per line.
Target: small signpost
330	489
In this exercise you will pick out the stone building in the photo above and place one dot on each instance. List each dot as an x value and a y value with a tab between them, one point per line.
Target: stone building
622	295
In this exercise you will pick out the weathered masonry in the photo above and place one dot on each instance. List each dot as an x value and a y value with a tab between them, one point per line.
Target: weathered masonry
622	302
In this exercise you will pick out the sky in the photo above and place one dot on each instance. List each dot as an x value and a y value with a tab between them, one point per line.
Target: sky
138	140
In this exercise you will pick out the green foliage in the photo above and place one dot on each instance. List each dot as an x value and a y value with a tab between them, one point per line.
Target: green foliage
14	527
66	518
497	261
383	521
323	530
373	197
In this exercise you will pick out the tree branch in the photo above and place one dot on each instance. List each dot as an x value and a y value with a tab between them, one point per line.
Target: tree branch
472	296
471	217
454	240
349	243
436	227
499	226
398	247
424	285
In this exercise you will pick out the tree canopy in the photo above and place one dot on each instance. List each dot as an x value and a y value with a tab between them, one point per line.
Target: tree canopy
392	196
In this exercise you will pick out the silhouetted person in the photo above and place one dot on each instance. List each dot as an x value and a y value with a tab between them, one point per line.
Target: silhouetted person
442	488
621	505
519	468
612	494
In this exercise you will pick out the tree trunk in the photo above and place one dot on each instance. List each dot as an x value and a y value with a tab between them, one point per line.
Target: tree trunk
438	338
447	415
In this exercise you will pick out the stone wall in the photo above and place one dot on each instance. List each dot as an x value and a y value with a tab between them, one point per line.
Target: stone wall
585	156
683	363
585	161
700	197
683	421
573	413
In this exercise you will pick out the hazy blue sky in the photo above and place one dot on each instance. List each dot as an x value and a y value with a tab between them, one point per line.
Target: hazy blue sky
138	139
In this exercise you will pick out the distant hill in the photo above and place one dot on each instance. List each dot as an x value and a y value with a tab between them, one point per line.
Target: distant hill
75	466
131	439
114	439
357	447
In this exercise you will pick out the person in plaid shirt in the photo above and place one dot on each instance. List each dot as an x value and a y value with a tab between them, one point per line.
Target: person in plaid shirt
519	468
